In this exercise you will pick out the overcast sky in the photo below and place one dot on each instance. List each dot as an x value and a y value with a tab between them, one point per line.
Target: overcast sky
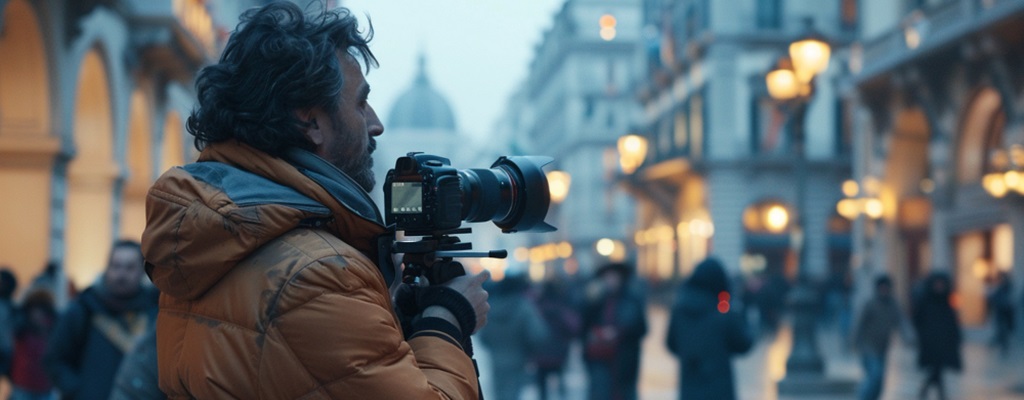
477	51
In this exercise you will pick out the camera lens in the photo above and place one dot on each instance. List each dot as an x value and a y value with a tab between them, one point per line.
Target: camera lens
513	193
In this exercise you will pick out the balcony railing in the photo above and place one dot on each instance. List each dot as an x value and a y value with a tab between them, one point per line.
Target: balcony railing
928	29
189	16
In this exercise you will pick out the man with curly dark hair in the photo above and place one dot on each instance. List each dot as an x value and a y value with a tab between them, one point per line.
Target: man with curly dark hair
266	250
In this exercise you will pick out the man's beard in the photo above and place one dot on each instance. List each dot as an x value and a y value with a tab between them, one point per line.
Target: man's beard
364	175
360	169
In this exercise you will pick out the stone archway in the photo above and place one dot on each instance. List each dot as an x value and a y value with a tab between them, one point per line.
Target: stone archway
91	175
139	162
27	145
981	132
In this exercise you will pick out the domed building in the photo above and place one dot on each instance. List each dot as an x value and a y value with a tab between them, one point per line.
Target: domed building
421	119
421	107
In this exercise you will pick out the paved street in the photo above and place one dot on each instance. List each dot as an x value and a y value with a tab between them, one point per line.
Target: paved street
986	375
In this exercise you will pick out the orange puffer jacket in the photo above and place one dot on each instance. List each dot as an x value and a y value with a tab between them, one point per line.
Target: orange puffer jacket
269	291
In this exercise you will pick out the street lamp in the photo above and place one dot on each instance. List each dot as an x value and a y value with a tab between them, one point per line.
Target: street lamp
791	83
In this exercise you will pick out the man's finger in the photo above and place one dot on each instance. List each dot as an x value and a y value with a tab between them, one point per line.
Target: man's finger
483	276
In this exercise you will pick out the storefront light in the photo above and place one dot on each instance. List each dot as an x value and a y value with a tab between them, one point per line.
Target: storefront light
776	218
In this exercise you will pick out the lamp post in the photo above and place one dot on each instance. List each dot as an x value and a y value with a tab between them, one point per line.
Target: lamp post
792	84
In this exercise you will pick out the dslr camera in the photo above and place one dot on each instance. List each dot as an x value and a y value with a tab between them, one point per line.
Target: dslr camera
424	194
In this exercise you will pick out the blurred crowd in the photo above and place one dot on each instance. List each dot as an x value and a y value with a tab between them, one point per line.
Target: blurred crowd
102	344
714	318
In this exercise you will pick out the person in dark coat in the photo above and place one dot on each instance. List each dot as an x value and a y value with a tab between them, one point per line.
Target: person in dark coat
614	323
705	334
514	327
100	326
878	320
1000	307
938	333
563	322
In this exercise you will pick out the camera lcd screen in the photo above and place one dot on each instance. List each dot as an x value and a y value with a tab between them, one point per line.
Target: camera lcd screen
406	197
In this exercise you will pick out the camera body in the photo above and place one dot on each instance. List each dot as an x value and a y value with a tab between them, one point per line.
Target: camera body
424	193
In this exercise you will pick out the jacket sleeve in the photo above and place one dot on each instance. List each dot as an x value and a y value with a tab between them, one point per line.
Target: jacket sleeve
62	348
344	334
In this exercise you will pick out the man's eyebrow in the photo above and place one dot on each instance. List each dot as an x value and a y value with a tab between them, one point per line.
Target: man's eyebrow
364	92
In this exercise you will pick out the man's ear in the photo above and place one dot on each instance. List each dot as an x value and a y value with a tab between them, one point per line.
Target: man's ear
312	128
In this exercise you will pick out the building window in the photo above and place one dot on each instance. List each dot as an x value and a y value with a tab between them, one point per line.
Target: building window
769	14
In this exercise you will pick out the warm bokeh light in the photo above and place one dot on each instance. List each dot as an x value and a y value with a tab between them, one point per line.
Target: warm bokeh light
994	184
810	57
605	247
912	37
558	185
521	254
608	34
776	218
537	272
850	188
607	21
873	208
564	250
632	151
782	84
848	208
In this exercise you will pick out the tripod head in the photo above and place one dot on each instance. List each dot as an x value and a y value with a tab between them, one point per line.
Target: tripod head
432	257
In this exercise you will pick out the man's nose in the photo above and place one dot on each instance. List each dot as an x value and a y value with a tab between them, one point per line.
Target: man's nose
373	126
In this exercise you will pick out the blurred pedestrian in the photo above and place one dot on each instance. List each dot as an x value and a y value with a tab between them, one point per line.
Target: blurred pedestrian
97	329
36	317
1002	312
938	333
8	283
704	333
879	318
614	322
514	328
136	378
564	323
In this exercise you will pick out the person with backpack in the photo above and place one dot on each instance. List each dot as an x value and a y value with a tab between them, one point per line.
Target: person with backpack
563	322
705	333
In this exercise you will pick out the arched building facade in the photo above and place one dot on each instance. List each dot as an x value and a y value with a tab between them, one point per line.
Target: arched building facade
93	96
937	116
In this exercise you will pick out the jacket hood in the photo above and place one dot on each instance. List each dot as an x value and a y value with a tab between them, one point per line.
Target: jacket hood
709	276
205	217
